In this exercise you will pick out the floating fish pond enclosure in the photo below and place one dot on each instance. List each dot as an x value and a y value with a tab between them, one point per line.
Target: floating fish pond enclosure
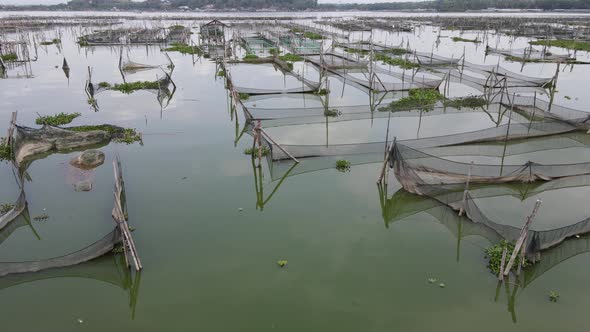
455	147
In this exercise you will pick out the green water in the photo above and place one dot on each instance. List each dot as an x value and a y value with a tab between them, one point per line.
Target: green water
209	254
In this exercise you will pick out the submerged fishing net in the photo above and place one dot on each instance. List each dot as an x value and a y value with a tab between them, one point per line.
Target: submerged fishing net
95	250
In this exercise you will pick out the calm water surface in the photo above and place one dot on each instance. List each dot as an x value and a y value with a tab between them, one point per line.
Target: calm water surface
208	265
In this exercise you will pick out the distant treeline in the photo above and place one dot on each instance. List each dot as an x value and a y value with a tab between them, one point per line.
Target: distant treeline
463	5
434	5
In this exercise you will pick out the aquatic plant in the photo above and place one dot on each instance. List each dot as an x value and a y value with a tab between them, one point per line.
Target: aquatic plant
118	134
514	58
282	263
183	48
243	96
399	51
273	51
553	296
417	99
9	57
131	87
57	120
564	43
250	56
221	73
82	41
494	256
291	57
332	112
4	208
177	27
321	92
431	280
469	102
42	217
51	42
312	35
464	40
5	150
399	62
104	84
254	152
343	165
118	249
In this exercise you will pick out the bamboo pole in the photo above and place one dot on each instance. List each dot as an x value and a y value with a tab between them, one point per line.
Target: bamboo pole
501	274
464	201
522	237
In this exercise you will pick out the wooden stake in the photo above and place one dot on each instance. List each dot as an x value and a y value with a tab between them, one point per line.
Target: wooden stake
462	209
523	234
501	274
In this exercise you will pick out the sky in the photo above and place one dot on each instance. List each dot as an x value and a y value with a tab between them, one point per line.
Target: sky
53	2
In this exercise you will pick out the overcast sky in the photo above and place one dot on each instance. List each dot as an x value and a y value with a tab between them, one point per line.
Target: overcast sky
53	2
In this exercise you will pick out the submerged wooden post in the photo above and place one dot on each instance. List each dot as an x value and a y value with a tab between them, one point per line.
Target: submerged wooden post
10	132
502	262
522	237
386	159
522	256
119	216
462	209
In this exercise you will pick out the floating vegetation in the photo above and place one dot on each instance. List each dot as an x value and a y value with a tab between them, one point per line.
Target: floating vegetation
58	119
431	280
399	62
9	57
273	51
104	84
332	112
399	51
515	58
464	40
4	208
564	43
468	102
553	296
221	73
356	51
343	165
312	35
42	217
129	88
183	48
251	56
417	99
282	263
5	150
118	249
118	134
244	96
321	92
291	57
265	151
494	256
51	42
82	41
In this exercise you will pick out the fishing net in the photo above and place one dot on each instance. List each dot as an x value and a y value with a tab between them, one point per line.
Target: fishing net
95	250
332	61
530	54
